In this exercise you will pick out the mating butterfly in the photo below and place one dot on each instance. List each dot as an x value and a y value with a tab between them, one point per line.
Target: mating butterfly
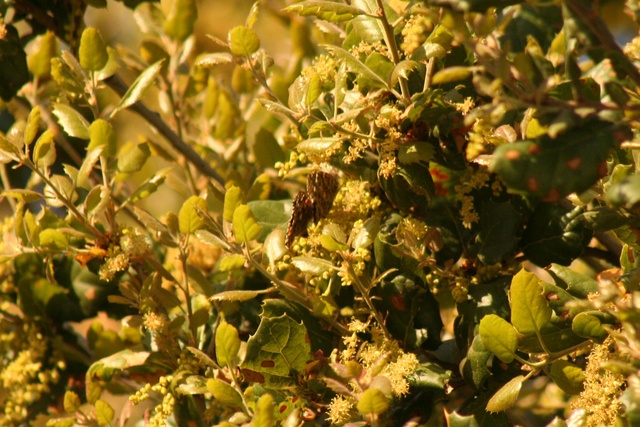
312	204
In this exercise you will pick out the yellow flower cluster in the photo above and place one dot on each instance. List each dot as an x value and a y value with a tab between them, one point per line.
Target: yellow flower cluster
415	33
29	375
475	178
163	410
132	247
602	387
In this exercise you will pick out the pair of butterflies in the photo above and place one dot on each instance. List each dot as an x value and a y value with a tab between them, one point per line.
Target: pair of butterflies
312	204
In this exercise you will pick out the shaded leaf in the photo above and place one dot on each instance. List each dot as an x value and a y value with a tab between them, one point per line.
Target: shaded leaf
506	397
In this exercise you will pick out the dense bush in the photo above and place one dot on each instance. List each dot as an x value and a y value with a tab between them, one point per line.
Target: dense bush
425	213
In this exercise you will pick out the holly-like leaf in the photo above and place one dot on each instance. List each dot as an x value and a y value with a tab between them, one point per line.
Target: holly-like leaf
278	351
354	65
530	310
327	10
551	168
73	123
499	337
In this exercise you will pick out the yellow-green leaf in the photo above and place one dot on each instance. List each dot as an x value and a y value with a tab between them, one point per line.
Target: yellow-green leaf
530	310
227	344
232	199
33	125
232	262
44	153
93	52
372	401
506	397
132	157
263	416
181	19
567	376
189	218
71	402
40	61
139	87
243	41
499	337
451	74
245	226
104	412
53	239
101	133
225	394
73	123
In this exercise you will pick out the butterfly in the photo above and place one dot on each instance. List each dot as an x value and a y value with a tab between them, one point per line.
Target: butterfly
312	204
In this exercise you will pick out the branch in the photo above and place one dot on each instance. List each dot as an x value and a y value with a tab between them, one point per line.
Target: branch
154	119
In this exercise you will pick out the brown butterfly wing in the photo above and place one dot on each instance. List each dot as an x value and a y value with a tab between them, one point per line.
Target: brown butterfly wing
322	188
303	211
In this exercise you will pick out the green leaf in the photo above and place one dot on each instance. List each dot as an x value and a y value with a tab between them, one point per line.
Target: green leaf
145	80
499	337
316	146
8	150
132	157
355	66
44	152
372	401
327	10
577	284
73	123
232	262
238	296
243	41
208	60
589	325
151	185
189	219
232	199
498	237
312	265
567	376
104	413
451	74
101	134
93	51
90	160
111	68
274	247
39	61
71	402
97	199
53	239
278	351
368	28
263	416
506	397
194	384
245	227
26	196
227	344
551	168
211	239
181	20
13	77
625	193
530	310
33	125
223	393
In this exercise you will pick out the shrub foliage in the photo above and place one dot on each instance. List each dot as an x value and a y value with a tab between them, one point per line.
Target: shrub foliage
425	213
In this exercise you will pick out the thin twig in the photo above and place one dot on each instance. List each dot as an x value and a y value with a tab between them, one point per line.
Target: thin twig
154	119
